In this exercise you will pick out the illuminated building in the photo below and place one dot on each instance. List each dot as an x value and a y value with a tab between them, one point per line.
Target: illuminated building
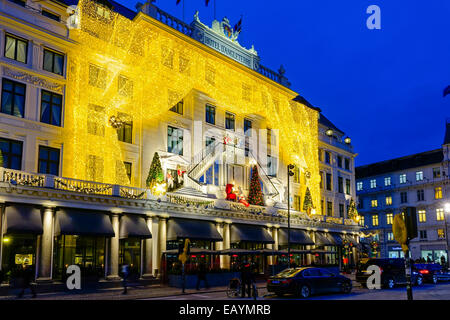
94	102
419	180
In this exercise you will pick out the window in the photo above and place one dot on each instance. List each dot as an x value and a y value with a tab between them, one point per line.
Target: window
128	166
403	178
48	161
96	120
390	236
347	186
296	175
359	186
374	220
327	157
178	108
19	2
328	182
438	193
16	48
361	220
374	203
373	183
329	208
436	172
403	197
210	114
13	98
420	195
125	87
297	202
387	181
97	76
51	15
12	153
388	200
419	175
247	127
123	172
340	185
53	62
423	234
320	155
422	216
271	139
440	214
341	210
209	141
321	179
51	108
174	140
361	203
441	234
339	161
389	218
125	132
347	164
322	207
271	166
229	121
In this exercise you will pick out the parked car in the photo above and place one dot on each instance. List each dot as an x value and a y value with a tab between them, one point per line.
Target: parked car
392	272
307	281
429	271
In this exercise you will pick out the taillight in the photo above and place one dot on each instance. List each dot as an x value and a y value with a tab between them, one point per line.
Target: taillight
286	281
381	269
424	271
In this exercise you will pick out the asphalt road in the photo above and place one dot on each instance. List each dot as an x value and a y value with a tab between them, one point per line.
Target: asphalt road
439	291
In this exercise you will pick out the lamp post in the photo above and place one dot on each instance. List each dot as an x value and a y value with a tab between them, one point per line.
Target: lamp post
290	173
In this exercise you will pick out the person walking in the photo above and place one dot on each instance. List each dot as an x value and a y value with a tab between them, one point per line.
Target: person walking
201	275
125	274
26	275
246	279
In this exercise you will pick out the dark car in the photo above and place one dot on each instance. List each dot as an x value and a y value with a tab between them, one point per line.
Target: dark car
429	271
307	281
392	272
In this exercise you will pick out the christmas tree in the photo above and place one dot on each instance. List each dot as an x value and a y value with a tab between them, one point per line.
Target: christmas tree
155	174
352	212
307	203
255	195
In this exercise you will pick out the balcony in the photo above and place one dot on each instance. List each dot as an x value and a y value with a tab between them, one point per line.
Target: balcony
335	142
10	178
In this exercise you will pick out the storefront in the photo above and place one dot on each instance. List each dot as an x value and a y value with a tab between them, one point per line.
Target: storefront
326	252
434	253
21	226
80	239
395	252
299	240
133	230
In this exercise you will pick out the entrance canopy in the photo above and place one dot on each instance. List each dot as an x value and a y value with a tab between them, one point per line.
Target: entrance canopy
83	222
132	226
297	237
350	239
323	240
23	219
192	229
250	233
336	238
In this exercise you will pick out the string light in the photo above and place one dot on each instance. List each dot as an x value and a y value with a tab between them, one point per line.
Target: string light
141	69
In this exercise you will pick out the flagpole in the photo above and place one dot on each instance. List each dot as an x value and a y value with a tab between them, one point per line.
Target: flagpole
214	9
183	10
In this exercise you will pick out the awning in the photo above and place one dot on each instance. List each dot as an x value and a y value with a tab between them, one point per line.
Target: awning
132	226
351	239
238	251
83	222
297	237
193	251
250	233
336	238
323	240
192	229
22	219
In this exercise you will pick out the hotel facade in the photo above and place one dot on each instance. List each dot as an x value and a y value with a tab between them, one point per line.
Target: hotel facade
93	93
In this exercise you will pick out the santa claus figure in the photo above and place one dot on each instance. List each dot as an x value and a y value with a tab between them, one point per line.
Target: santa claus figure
169	180
180	174
241	197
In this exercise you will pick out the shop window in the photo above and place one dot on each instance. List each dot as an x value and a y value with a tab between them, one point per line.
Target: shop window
18	249
130	254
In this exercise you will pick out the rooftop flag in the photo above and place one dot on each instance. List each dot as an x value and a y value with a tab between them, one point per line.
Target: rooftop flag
447	91
238	26
178	2
207	2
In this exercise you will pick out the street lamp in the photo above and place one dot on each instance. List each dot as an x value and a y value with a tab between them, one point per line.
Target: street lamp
290	173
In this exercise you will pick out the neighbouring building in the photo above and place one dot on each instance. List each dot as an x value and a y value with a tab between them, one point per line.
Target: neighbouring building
123	133
420	180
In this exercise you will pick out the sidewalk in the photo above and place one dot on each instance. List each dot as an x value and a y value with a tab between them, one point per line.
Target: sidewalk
134	293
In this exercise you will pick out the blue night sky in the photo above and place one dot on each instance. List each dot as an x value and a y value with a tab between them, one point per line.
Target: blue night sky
382	87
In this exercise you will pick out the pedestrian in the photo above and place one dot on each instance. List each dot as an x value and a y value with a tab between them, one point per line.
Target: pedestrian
201	275
26	275
443	262
428	259
245	279
125	274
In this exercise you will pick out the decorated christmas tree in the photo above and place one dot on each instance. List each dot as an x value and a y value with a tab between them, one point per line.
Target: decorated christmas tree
155	174
307	203
352	212
255	195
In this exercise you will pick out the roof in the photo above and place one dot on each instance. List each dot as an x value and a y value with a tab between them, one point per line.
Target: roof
402	163
305	102
327	123
115	6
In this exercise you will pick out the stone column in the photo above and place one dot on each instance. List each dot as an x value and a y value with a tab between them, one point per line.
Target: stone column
159	246
226	245
270	259
308	255
148	251
155	246
113	259
219	244
45	259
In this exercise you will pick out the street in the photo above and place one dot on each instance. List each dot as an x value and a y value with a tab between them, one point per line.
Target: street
440	291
